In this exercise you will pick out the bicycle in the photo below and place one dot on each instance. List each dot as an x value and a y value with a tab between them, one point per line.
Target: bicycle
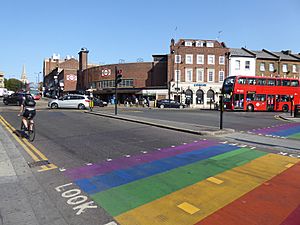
30	132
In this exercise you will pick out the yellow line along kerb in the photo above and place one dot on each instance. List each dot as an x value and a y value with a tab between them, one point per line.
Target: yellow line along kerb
28	147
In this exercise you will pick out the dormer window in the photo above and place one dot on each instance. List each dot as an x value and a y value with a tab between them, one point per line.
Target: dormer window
199	43
188	43
210	44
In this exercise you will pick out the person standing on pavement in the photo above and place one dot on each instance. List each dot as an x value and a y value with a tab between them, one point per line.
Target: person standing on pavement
91	101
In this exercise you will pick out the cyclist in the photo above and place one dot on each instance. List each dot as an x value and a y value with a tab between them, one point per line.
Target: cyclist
27	109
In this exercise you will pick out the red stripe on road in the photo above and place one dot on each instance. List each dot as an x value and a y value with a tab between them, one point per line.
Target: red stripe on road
294	218
269	204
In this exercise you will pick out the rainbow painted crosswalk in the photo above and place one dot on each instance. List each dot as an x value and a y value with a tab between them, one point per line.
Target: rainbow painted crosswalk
290	130
204	182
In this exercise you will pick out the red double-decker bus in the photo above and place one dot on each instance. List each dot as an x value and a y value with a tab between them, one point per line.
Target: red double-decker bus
252	93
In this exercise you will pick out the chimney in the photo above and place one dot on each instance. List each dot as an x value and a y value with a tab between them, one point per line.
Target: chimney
83	59
172	46
287	52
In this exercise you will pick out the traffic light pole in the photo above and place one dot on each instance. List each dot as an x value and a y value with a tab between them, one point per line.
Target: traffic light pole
221	102
116	93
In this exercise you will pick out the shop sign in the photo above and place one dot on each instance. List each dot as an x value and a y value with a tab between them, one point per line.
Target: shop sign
199	85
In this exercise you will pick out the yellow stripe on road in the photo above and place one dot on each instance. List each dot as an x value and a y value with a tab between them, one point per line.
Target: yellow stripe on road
206	195
32	151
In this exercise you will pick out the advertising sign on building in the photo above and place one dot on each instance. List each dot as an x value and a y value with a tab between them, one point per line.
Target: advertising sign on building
72	77
106	72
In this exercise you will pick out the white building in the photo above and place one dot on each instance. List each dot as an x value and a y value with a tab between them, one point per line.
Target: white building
241	62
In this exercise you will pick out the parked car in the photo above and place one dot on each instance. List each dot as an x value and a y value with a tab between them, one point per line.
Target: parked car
3	92
166	103
99	102
36	94
70	101
13	99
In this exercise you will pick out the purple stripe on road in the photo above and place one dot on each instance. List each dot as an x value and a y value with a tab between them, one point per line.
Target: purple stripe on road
122	163
274	129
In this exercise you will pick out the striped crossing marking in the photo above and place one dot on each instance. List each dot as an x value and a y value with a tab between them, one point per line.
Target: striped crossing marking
200	195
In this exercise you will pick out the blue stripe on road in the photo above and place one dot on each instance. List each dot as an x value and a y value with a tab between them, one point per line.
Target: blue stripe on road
287	132
124	176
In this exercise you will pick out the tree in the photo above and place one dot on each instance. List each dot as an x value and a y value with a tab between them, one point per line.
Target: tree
13	84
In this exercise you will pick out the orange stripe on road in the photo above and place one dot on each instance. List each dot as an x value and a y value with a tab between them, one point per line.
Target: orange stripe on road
269	204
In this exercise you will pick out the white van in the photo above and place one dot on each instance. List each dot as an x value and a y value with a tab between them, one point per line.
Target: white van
3	91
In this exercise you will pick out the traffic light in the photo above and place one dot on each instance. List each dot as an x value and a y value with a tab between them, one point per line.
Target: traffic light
119	76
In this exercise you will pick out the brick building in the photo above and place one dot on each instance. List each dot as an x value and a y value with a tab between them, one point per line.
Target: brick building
60	75
196	71
139	79
277	64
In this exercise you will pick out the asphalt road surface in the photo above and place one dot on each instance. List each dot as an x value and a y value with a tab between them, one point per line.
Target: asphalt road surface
102	160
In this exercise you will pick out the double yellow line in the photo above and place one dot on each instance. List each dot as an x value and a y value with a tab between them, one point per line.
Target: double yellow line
34	153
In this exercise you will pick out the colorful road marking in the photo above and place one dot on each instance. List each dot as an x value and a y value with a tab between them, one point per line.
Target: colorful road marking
207	196
269	204
186	184
290	130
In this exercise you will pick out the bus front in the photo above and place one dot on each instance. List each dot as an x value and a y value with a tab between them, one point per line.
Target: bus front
227	91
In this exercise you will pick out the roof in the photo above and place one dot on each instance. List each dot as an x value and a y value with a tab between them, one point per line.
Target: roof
284	56
240	52
265	55
296	55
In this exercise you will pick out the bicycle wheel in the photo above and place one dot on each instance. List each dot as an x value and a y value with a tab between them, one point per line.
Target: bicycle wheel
31	133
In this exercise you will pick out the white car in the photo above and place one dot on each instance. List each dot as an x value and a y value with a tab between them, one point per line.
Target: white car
10	92
70	101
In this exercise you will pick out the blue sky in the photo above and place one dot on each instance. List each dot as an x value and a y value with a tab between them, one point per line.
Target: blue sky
111	30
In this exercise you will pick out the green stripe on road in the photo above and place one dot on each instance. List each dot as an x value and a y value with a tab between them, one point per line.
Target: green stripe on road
126	197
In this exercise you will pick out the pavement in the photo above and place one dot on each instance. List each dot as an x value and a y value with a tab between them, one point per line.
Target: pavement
173	125
23	200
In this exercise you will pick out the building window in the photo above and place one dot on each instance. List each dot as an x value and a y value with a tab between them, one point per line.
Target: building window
211	59
177	58
271	67
199	44
262	66
284	68
177	75
222	60
189	59
199	74
111	83
188	75
209	44
294	69
237	64
247	65
200	59
210	75
188	43
221	76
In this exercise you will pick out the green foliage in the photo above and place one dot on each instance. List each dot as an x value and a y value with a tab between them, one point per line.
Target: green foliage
13	84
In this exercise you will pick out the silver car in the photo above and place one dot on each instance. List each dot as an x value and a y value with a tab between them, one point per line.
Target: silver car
70	101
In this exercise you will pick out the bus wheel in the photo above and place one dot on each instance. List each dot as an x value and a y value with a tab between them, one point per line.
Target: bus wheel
285	108
250	108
